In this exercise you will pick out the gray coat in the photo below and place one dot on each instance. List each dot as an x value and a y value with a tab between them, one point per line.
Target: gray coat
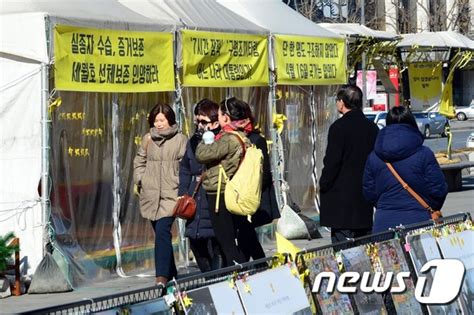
156	171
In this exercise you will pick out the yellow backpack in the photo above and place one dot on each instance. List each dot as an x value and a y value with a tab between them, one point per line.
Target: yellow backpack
243	192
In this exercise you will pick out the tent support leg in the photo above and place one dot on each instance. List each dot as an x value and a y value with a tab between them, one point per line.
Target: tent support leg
45	153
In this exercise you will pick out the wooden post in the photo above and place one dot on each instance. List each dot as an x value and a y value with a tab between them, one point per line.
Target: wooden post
16	291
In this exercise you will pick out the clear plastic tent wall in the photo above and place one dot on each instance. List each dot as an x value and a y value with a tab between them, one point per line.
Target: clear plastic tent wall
94	221
309	109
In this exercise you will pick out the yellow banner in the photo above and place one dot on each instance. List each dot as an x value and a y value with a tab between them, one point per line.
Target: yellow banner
96	60
310	61
425	85
224	59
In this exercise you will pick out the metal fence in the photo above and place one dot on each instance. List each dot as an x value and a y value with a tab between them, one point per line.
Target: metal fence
204	279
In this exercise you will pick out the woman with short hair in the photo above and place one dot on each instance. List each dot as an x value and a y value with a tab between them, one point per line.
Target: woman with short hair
156	168
199	231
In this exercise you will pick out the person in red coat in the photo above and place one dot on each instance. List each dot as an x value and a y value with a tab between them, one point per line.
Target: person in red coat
351	138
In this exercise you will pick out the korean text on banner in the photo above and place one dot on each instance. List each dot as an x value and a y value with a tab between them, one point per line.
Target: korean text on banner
113	61
425	85
224	59
310	60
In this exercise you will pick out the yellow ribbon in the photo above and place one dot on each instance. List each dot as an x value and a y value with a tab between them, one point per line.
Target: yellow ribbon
187	301
54	104
278	122
304	275
278	260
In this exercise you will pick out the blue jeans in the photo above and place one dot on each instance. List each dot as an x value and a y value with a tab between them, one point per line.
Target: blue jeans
164	257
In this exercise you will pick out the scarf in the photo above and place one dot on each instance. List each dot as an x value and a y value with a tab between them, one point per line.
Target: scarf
237	125
159	136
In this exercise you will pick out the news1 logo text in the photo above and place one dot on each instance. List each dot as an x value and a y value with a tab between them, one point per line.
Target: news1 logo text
445	287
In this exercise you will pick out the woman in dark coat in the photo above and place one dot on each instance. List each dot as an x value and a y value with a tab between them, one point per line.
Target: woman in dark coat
401	144
199	230
268	210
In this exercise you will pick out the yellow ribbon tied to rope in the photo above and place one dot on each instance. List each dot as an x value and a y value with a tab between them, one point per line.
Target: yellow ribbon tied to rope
278	122
54	104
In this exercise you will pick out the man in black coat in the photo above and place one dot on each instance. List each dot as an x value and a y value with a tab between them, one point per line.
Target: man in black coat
350	140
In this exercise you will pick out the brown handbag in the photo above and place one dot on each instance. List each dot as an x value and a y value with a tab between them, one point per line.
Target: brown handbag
435	214
185	207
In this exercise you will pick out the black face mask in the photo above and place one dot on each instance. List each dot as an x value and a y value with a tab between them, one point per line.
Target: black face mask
199	132
216	130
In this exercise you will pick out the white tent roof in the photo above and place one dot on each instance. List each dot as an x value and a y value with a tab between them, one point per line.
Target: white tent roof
277	17
208	14
358	30
437	39
23	26
104	10
196	14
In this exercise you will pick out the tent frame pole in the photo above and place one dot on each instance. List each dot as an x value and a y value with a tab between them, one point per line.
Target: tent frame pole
45	154
274	162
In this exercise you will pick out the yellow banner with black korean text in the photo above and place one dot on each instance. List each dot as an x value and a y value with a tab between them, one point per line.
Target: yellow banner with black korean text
213	59
425	85
303	60
102	60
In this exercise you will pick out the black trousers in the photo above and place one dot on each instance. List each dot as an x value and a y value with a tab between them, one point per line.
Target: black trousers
207	252
236	236
247	239
164	257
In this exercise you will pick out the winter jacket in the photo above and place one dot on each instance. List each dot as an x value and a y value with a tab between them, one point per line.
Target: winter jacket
226	151
268	210
402	145
156	168
351	138
189	171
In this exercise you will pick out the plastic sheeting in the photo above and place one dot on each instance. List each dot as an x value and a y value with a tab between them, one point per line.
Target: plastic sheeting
85	200
82	181
309	115
137	237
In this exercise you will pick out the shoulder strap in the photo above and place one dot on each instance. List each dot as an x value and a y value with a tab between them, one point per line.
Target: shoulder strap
242	144
408	188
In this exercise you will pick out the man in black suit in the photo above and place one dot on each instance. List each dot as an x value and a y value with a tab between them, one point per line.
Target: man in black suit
350	140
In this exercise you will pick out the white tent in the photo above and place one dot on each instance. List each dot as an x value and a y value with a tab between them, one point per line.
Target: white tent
358	30
277	17
195	14
448	39
25	55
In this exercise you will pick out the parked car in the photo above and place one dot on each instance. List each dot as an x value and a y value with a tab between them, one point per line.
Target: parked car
465	112
430	123
377	117
470	141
